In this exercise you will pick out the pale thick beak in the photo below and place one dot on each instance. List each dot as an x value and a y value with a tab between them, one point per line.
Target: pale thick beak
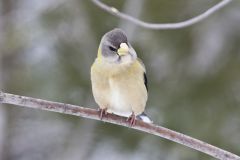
123	50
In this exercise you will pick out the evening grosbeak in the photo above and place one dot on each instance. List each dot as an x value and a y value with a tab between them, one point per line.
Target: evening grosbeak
118	77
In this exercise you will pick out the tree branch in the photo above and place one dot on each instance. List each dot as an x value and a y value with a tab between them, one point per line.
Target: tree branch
161	26
153	129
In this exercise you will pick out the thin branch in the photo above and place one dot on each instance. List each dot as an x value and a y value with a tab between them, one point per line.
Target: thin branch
153	129
161	26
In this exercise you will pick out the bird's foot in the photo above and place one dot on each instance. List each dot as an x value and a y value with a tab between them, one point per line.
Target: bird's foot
102	112
132	119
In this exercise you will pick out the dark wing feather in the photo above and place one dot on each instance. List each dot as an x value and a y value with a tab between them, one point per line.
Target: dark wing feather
144	74
145	80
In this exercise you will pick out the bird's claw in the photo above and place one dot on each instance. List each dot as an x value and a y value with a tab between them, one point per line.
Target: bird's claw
132	119
103	112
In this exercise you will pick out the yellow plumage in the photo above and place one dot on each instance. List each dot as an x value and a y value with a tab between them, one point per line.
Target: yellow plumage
119	88
119	82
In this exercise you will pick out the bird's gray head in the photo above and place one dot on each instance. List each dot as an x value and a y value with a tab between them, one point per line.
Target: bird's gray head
115	47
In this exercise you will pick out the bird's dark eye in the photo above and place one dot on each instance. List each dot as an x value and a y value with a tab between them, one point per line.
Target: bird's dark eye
112	48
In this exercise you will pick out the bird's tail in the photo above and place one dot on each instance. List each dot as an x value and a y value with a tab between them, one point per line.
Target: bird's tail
143	117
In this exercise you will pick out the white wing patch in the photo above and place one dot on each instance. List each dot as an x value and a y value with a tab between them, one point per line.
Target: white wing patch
145	119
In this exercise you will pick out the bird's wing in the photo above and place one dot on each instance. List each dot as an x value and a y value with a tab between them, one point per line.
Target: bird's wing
145	80
142	64
144	74
144	118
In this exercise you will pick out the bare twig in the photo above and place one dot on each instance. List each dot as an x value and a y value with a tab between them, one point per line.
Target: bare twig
114	11
153	129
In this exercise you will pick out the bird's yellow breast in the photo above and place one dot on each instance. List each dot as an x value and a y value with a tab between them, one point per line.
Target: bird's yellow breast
120	87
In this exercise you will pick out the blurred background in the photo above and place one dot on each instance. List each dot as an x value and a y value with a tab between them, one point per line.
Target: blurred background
48	46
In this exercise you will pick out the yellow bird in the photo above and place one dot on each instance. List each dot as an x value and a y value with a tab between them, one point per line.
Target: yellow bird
118	77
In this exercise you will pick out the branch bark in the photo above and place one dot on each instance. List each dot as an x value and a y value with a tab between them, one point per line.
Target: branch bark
6	98
161	26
